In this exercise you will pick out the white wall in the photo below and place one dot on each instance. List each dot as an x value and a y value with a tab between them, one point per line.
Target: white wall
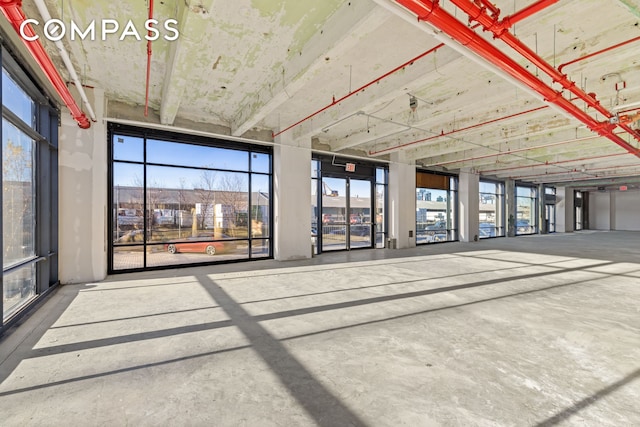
599	211
83	197
626	207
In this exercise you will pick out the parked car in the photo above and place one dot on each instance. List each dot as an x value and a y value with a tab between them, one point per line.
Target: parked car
438	225
487	229
202	244
354	230
523	226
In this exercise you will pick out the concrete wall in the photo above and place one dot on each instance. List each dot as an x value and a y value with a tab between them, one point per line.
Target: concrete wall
83	197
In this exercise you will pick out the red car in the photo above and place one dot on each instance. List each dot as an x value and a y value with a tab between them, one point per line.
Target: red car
201	244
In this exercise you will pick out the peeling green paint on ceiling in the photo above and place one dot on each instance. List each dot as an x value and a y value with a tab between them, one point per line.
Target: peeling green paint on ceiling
294	13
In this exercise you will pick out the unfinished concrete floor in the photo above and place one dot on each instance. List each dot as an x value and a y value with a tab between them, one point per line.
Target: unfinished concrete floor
540	330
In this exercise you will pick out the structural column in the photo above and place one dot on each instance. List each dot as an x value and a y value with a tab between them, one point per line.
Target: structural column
83	196
402	201
564	210
469	206
292	198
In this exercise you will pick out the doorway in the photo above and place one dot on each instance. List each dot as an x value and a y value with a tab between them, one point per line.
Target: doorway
550	217
346	221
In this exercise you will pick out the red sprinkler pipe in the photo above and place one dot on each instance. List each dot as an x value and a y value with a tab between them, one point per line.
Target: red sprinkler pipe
12	9
500	30
146	97
559	162
458	130
518	150
431	11
591	55
361	88
586	172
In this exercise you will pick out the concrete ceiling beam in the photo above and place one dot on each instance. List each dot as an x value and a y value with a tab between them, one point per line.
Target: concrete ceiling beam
344	30
180	57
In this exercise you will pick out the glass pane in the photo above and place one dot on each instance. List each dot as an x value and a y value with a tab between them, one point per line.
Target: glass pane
18	195
260	162
259	248
334	212
128	257
16	100
525	192
128	209
359	213
433	215
188	202
205	247
19	287
128	148
181	154
488	187
315	168
314	210
526	215
260	202
381	176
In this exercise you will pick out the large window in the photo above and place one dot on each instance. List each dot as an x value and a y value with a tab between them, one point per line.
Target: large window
29	186
182	200
436	201
491	209
526	210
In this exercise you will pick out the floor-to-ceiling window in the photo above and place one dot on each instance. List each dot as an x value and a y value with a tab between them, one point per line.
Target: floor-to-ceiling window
184	200
491	209
436	214
526	210
29	191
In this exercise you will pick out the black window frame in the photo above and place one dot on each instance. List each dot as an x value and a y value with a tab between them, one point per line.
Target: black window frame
115	128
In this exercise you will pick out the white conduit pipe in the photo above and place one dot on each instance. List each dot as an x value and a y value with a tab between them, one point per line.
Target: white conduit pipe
44	12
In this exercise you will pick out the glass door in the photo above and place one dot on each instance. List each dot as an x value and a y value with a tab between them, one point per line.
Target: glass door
359	213
346	214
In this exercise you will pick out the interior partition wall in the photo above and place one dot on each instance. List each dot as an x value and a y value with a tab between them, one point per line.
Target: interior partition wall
180	200
436	213
29	191
491	209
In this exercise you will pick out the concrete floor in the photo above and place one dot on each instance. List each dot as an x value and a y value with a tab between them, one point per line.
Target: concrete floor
536	330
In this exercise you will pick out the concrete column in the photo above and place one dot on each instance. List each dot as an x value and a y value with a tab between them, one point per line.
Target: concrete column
292	198
564	210
402	201
511	207
542	223
83	196
469	206
612	211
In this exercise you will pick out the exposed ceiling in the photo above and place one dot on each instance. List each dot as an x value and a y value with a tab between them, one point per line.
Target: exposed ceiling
377	83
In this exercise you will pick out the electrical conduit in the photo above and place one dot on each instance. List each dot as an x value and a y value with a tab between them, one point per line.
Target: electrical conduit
12	9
